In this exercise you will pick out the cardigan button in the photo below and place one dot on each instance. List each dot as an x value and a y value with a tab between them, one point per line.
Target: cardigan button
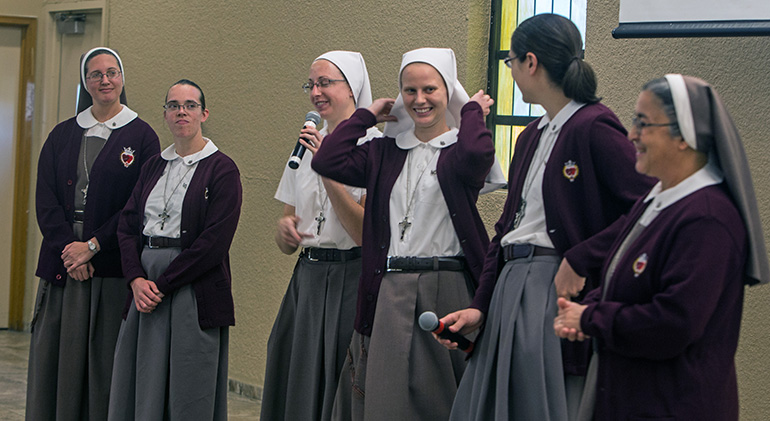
377	271
58	277
370	297
69	182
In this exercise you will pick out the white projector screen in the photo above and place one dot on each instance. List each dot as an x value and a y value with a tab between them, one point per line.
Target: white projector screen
693	18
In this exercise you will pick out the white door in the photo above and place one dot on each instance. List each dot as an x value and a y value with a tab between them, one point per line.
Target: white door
10	56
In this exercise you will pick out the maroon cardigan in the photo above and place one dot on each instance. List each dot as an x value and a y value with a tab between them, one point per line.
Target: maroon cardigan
667	332
461	170
210	213
109	189
606	186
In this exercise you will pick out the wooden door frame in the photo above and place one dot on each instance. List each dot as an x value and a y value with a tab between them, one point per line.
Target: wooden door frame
21	188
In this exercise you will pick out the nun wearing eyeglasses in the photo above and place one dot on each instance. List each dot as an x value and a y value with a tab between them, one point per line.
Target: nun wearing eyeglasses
324	219
175	233
86	171
423	239
666	320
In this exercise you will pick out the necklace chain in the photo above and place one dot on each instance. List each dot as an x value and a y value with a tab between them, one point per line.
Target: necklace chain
85	167
531	175
164	215
405	224
321	218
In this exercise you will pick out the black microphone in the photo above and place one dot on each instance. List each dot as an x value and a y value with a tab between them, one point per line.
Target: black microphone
311	120
428	321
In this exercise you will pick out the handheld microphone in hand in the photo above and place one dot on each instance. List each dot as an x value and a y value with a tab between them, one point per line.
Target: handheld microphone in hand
311	120
428	321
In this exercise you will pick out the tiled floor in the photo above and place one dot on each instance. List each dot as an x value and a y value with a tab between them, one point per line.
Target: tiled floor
14	353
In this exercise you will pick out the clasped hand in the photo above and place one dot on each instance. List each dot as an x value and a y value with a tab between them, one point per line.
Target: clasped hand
147	296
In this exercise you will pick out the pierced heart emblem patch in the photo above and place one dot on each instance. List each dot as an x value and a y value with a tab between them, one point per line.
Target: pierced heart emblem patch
127	157
640	264
570	170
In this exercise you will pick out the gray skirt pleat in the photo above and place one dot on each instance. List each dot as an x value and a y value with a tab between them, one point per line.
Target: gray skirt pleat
74	330
166	366
516	370
309	341
402	373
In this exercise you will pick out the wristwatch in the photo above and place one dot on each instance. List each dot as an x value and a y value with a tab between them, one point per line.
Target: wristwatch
92	247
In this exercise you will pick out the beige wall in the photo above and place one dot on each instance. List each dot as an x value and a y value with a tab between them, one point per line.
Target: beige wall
250	57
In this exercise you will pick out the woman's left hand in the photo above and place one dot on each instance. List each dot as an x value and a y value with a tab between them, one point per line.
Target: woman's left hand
484	100
567	282
311	139
81	273
75	254
567	324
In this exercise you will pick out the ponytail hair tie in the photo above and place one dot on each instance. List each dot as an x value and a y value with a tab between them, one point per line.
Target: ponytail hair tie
574	58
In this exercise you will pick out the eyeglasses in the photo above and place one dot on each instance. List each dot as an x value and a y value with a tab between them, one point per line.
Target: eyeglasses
97	76
508	61
321	83
175	106
639	125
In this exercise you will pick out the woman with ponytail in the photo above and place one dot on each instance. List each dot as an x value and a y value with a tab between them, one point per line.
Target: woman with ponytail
571	176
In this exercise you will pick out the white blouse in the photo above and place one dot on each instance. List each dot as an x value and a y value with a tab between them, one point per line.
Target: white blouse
303	189
532	229
168	193
417	197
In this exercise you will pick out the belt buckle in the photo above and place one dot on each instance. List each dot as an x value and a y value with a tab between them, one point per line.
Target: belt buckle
149	243
388	268
520	251
308	251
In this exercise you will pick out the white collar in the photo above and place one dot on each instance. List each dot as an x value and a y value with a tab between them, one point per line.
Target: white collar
408	140
561	117
709	175
87	120
169	154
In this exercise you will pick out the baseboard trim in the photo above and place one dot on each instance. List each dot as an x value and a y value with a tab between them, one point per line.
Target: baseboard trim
244	389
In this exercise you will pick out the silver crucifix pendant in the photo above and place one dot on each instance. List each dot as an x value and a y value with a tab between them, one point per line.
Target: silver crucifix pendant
163	216
404	225
519	214
85	193
320	219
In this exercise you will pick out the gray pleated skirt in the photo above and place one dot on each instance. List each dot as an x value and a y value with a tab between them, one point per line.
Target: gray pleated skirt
74	330
309	341
516	372
401	372
167	367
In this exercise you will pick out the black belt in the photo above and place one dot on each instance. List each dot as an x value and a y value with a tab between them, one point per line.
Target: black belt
517	251
79	216
316	254
418	264
162	242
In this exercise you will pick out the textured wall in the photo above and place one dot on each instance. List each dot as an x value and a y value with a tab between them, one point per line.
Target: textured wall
251	58
737	67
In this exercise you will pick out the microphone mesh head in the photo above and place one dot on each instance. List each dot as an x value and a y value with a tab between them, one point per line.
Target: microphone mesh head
428	321
314	117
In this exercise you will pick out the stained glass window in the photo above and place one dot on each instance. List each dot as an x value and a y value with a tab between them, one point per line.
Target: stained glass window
510	114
